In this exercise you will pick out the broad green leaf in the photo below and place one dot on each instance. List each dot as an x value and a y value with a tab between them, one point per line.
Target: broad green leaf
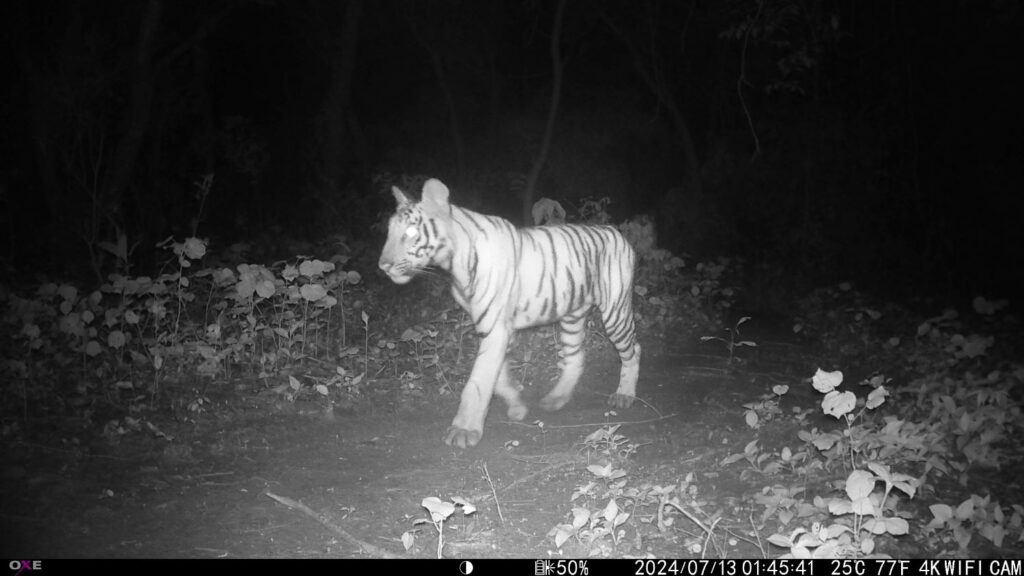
580	517
859	484
828	550
826	382
880	470
835	531
751	418
195	248
313	292
461	501
611	510
896	526
439	509
962	536
290	273
908	488
93	348
874	526
265	288
562	533
923	329
116	339
863	507
839	507
800	552
995	533
731	459
825	441
877	397
311	268
68	292
965	510
785	516
838	404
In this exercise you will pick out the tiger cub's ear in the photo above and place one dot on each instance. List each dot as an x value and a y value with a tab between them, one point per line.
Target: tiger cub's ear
400	197
436	194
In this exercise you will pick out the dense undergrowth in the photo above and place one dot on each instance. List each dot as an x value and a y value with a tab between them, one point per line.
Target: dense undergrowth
913	450
925	464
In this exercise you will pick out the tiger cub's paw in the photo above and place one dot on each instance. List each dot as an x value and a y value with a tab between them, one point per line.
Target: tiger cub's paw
461	438
620	400
517	412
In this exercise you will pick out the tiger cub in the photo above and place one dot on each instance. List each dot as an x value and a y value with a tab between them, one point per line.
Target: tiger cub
508	278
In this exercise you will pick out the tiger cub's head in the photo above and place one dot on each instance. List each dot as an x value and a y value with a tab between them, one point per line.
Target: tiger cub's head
417	233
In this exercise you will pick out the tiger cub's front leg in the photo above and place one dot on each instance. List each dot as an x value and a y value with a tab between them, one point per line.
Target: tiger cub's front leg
490	371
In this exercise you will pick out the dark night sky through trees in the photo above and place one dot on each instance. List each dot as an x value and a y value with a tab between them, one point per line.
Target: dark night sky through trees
889	133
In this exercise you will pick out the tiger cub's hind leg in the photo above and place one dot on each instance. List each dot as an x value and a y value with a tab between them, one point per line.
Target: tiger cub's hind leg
510	393
621	330
571	334
625	394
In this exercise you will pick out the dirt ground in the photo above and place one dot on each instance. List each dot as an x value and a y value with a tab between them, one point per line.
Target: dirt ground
70	492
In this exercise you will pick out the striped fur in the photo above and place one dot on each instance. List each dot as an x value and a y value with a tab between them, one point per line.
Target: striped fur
509	278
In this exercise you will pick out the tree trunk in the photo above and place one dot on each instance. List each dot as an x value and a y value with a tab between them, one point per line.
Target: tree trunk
692	186
43	107
557	67
652	75
341	55
137	115
437	62
453	116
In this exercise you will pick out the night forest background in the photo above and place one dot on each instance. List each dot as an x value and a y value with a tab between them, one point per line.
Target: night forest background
876	142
